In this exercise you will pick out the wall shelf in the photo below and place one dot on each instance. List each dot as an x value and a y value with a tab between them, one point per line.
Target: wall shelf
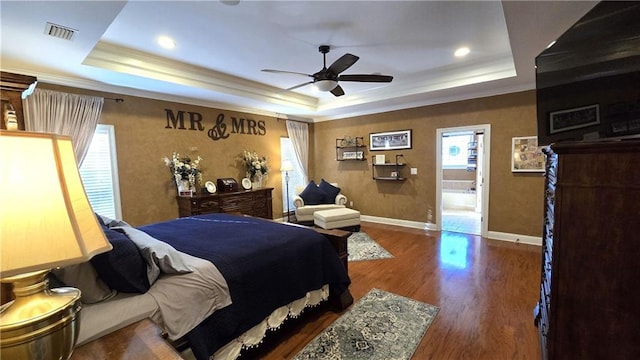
350	149
472	159
388	171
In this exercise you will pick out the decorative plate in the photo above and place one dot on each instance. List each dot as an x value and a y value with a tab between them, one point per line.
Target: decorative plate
246	183
211	187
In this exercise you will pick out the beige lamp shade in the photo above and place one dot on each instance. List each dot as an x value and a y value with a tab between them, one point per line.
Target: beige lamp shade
286	166
46	219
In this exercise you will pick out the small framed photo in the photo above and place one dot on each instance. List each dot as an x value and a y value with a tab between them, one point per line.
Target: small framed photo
392	140
349	155
526	155
188	193
576	118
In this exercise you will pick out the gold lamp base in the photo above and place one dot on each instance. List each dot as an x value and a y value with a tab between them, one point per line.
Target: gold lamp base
40	323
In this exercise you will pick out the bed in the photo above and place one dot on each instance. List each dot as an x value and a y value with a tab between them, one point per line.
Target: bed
218	281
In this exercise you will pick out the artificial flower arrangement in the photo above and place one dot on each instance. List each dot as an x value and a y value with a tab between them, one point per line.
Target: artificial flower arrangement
185	169
255	165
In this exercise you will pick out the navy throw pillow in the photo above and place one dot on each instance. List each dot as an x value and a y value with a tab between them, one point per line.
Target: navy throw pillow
312	195
99	218
330	190
123	268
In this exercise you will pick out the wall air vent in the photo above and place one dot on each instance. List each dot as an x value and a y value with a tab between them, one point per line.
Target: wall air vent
60	31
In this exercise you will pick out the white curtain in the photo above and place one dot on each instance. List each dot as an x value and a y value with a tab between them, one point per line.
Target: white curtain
299	135
65	114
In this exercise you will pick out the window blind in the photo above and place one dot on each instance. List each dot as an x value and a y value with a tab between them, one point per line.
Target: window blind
99	173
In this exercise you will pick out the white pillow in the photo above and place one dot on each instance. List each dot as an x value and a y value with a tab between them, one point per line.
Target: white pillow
84	277
109	222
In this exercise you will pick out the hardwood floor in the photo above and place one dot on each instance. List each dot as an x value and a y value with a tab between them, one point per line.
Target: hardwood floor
486	291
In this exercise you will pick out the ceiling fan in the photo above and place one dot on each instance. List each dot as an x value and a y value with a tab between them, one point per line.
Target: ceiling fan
327	78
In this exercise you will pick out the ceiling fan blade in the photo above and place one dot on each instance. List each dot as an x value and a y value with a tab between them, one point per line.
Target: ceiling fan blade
366	78
285	72
343	63
300	85
337	91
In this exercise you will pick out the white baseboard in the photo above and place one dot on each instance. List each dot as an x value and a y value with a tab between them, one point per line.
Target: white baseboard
398	222
522	239
496	235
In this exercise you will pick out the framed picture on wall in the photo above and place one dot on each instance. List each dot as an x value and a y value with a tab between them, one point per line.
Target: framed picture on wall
570	119
350	155
526	155
392	140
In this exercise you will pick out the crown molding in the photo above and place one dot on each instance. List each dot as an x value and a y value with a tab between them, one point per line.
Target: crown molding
122	90
125	60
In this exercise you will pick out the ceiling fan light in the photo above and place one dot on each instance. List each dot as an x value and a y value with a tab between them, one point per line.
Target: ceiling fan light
462	52
326	85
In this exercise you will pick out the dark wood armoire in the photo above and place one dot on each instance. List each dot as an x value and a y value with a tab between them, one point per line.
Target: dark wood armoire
589	306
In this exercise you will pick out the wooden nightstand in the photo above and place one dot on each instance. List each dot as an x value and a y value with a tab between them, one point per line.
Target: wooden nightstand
138	341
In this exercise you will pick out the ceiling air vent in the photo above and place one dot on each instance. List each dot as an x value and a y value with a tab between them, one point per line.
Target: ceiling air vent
60	31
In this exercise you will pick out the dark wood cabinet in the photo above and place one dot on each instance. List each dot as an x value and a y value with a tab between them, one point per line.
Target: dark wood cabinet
11	88
250	202
589	306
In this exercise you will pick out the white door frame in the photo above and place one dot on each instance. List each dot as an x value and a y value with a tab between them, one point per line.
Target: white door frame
486	128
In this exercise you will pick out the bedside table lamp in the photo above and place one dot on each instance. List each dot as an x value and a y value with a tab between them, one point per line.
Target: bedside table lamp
46	221
286	166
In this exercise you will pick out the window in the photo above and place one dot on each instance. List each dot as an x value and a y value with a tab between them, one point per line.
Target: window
99	173
296	176
455	150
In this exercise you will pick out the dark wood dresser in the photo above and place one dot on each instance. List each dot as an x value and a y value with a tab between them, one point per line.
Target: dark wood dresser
589	305
250	202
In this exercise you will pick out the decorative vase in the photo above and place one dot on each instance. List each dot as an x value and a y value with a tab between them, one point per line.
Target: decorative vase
257	182
184	187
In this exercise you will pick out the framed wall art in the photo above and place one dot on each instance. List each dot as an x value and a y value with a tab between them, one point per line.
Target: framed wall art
576	118
526	155
392	140
352	155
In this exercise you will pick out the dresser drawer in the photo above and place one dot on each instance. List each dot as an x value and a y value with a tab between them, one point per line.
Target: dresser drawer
205	205
253	202
243	204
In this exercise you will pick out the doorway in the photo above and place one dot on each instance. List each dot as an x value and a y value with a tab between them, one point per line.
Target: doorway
462	181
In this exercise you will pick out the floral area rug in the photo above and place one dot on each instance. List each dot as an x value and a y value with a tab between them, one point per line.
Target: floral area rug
362	247
380	326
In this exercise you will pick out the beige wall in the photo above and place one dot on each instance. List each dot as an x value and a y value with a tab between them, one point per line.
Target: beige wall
515	204
148	193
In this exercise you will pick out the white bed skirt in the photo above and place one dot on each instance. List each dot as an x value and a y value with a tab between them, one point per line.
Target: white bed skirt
256	334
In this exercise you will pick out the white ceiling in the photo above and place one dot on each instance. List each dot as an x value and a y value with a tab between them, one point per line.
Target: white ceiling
222	47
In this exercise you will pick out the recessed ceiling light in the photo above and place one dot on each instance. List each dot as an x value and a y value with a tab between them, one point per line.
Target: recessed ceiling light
166	42
463	51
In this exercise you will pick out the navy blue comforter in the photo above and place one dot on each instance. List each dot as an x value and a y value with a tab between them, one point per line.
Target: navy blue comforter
265	264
